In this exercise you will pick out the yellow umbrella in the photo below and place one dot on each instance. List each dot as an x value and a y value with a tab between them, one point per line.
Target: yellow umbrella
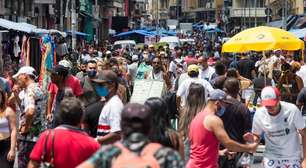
263	38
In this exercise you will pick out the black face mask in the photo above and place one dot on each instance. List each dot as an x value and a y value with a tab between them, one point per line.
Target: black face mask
92	73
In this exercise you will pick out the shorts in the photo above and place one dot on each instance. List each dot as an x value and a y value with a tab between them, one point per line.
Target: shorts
273	163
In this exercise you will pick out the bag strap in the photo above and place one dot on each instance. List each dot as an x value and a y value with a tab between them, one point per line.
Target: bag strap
123	149
52	148
150	149
43	156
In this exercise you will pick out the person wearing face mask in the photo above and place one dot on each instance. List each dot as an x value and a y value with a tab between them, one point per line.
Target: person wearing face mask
89	96
144	68
108	129
206	132
236	119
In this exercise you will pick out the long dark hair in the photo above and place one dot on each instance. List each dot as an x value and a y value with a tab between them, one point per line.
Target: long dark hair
195	102
160	119
2	100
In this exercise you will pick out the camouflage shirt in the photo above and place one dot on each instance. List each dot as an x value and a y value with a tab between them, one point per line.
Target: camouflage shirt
33	97
166	157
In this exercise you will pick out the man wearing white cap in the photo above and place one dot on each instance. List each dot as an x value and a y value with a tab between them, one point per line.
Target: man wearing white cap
132	70
281	123
32	113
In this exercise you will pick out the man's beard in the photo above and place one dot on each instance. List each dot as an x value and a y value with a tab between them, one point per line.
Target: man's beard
156	70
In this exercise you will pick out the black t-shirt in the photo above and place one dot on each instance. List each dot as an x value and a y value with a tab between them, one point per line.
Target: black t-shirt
237	120
91	117
245	68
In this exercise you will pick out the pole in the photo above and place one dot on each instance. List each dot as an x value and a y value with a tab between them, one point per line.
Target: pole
244	14
157	21
250	19
283	14
61	16
73	24
265	73
255	13
268	13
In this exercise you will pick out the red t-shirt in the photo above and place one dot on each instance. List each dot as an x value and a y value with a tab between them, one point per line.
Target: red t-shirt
204	145
71	147
72	82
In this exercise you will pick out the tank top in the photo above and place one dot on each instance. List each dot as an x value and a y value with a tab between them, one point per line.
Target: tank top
4	127
204	145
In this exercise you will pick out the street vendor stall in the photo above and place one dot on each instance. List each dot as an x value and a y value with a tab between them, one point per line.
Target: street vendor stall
263	39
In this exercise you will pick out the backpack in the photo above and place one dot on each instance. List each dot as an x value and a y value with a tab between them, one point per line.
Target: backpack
128	159
170	99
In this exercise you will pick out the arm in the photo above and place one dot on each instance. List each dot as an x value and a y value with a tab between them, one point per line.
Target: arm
299	82
300	98
49	106
109	138
12	122
85	164
29	113
215	124
303	134
33	164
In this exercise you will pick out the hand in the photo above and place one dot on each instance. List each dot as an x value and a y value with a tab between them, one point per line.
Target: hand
49	117
252	147
11	155
303	163
223	152
230	155
248	137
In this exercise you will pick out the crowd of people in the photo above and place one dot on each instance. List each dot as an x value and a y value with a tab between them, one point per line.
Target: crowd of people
216	109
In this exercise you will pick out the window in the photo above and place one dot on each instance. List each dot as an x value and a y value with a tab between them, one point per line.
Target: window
202	3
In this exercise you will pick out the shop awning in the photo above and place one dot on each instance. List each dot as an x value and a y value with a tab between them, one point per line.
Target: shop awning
140	32
10	25
77	33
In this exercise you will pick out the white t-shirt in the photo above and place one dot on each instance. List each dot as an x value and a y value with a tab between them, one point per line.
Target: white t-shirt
132	70
183	89
110	117
156	76
207	73
280	131
302	73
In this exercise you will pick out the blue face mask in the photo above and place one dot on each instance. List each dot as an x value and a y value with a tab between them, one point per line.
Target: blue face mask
102	91
221	111
92	74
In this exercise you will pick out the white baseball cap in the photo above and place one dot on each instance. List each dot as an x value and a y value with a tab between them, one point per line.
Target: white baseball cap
25	70
65	64
270	96
135	58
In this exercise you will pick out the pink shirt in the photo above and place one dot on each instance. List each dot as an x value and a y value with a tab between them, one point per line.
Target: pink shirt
204	145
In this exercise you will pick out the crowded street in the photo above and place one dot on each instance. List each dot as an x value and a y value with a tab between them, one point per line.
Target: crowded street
139	84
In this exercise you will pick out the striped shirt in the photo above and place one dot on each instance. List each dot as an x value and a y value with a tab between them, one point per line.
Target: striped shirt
110	117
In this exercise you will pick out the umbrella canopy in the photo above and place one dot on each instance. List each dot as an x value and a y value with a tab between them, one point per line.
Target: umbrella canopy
262	39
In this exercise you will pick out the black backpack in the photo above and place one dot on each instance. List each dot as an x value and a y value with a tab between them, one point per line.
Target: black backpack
170	99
